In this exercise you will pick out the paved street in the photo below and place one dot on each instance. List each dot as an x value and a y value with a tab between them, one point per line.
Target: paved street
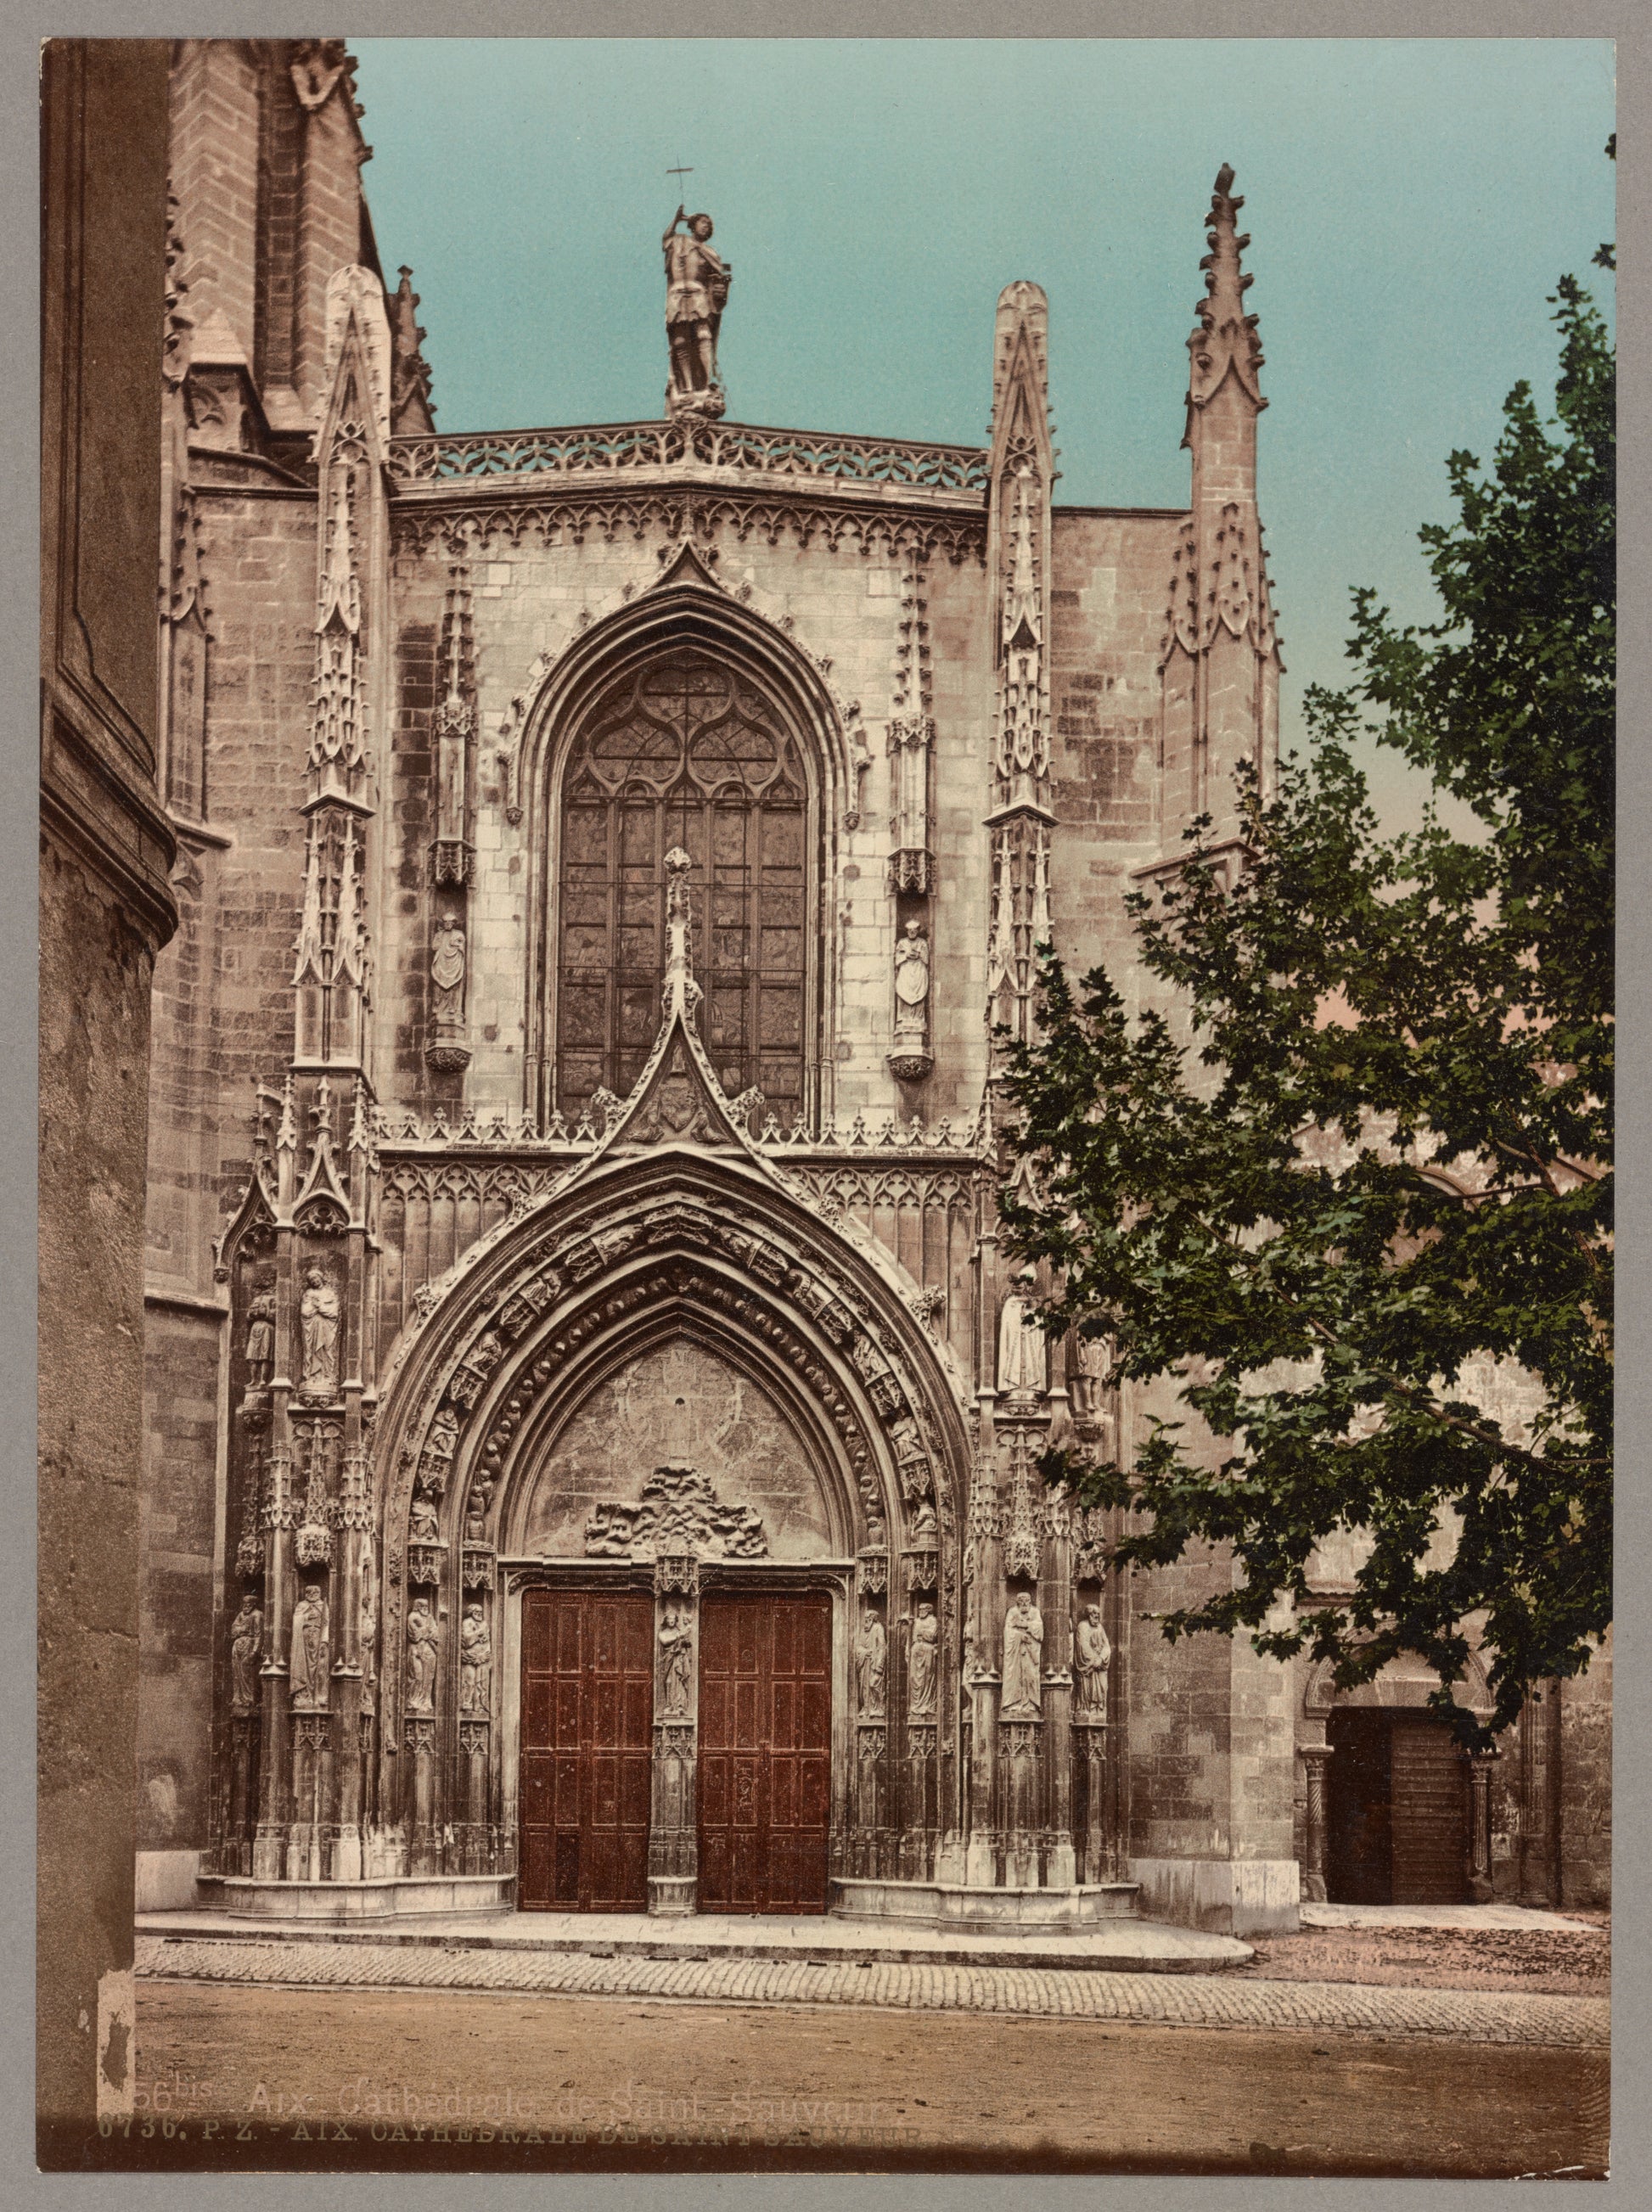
1301	2080
1205	2000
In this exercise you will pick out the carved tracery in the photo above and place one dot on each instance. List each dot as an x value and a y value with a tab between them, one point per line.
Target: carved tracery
685	753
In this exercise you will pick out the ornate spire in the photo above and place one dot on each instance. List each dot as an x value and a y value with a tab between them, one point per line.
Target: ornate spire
1224	337
412	410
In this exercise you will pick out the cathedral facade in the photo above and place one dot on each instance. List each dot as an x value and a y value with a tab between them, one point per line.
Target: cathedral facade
592	1424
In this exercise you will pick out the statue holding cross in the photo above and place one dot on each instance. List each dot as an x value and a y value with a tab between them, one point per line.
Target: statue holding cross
697	292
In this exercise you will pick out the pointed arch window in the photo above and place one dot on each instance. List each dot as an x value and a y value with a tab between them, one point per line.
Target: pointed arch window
685	751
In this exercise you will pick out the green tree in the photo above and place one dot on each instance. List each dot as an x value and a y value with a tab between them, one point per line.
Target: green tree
1366	1149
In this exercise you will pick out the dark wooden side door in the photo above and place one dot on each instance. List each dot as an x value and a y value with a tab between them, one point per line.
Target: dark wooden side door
1428	1816
1356	1824
1397	1825
765	1751
588	1707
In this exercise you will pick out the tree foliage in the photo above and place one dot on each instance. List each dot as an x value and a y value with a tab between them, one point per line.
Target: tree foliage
1360	1153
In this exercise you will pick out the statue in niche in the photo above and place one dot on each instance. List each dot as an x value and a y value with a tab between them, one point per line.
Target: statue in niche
476	1515
245	1646
422	1635
1091	1656
260	1341
1092	1364
925	1532
697	292
308	1671
920	1665
476	1652
912	983
877	1532
318	1314
872	1665
422	1524
1022	1348
1023	1654
676	1650
447	967
367	1619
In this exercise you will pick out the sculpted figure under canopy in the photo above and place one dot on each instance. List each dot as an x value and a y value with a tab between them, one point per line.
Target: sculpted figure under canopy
920	1665
1022	1350
475	1651
697	292
676	1646
318	1314
1024	1653
309	1651
1092	1654
422	1634
245	1643
872	1665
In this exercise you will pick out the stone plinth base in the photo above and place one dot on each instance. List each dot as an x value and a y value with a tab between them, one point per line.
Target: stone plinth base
672	1896
1006	1911
166	1880
247	1898
1227	1896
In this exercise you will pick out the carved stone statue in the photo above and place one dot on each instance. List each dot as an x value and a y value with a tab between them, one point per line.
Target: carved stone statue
366	1620
476	1515
871	1666
912	983
697	292
1022	1350
920	1665
423	1636
676	1650
260	1340
925	1532
318	1314
877	1532
476	1652
422	1524
1023	1654
447	966
1092	1365
1091	1656
308	1672
245	1645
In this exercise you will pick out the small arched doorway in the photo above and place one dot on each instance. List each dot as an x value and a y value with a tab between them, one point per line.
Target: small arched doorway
1398	1820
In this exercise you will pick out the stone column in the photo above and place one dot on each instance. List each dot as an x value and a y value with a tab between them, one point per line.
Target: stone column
1056	1602
1090	1739
982	1682
311	1763
1315	1759
1479	1825
275	1751
1021	1746
354	1518
421	1740
673	1835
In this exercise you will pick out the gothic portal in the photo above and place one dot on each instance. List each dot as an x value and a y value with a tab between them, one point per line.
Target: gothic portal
594	1428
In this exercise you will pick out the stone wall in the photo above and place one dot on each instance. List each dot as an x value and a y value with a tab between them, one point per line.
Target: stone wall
105	907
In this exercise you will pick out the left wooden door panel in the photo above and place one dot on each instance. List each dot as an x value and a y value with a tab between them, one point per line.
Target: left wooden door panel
587	1711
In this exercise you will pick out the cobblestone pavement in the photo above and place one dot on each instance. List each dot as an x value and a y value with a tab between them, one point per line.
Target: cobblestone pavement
1149	2000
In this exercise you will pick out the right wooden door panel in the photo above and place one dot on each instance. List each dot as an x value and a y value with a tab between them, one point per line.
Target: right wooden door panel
765	1751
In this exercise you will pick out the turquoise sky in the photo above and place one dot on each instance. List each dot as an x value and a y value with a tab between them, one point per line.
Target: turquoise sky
1411	205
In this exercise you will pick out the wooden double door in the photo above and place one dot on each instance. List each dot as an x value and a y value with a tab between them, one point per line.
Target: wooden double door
764	1777
1398	1825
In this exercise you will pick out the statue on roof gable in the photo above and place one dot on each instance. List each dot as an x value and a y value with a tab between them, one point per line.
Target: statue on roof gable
697	292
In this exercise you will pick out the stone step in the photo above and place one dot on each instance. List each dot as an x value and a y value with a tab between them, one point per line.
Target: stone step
1115	1946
